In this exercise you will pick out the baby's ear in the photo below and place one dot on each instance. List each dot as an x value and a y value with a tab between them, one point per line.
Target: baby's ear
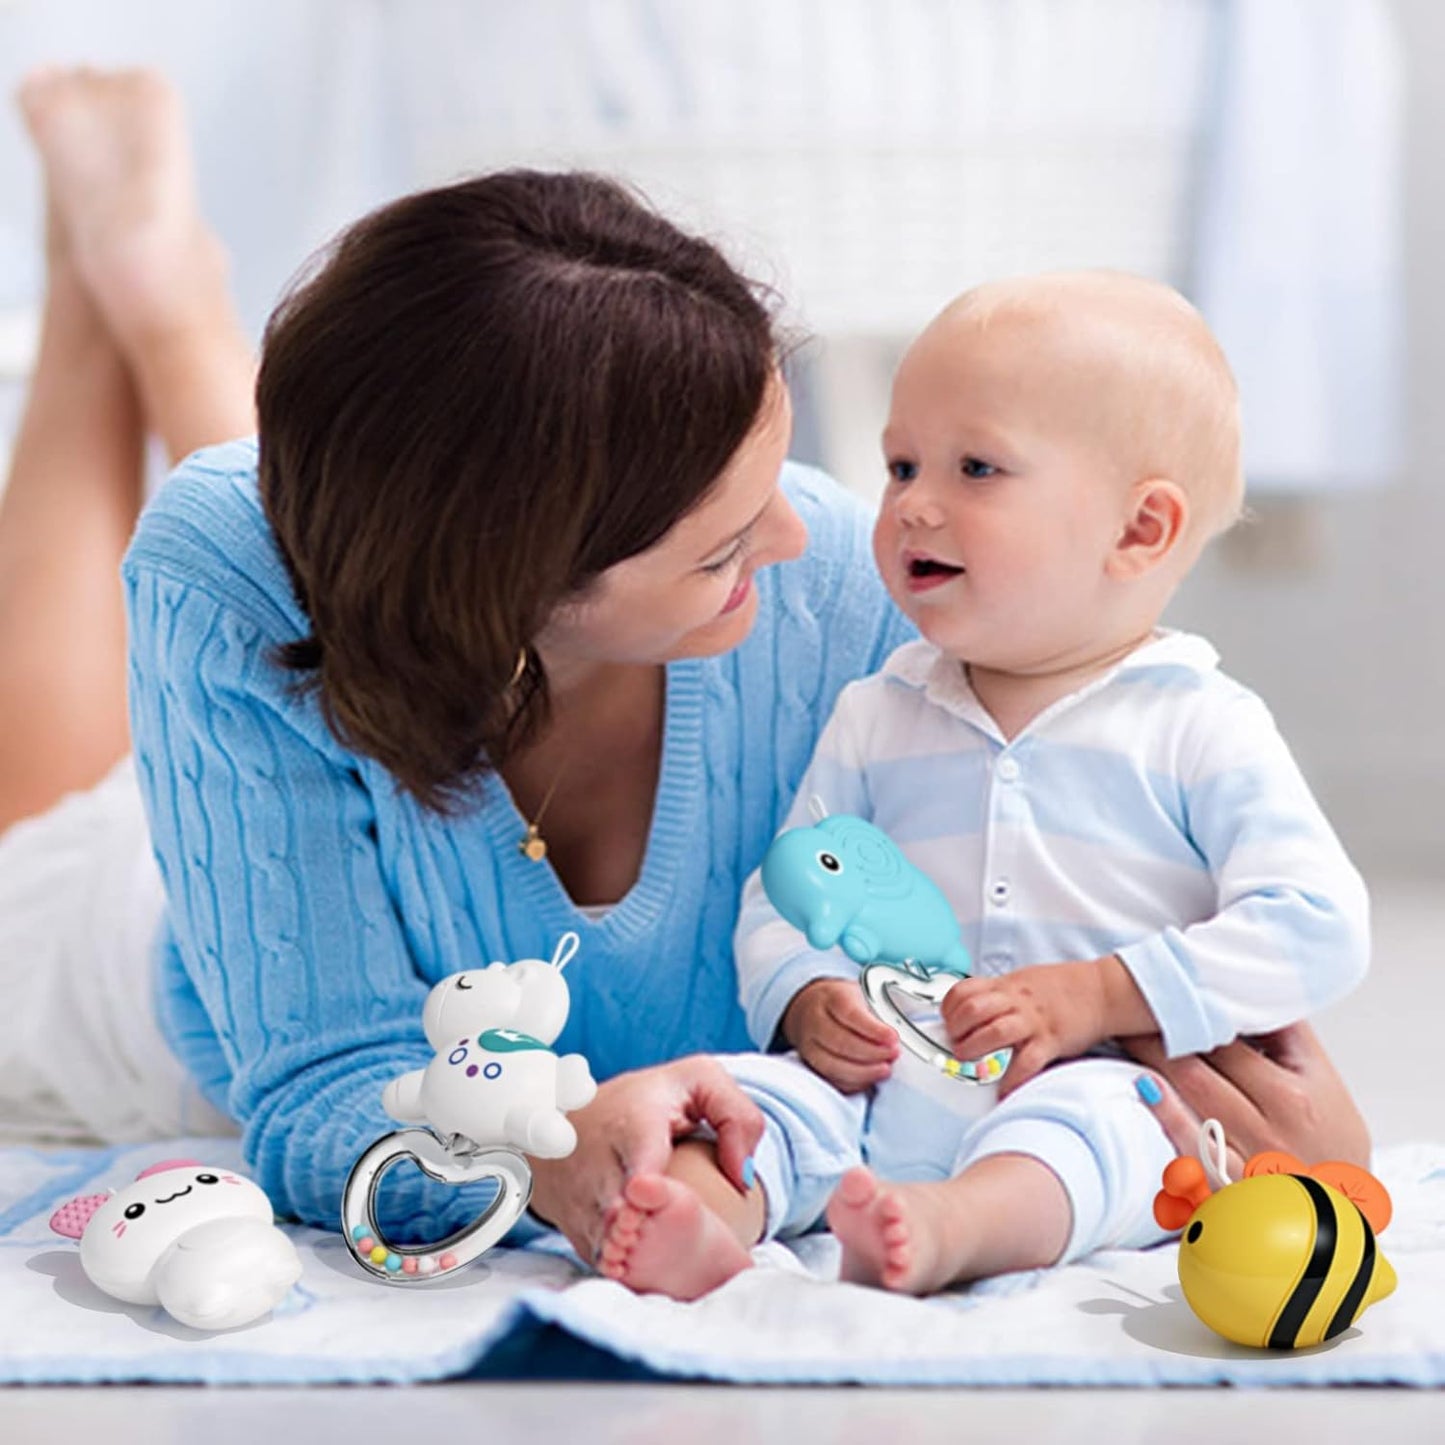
1154	523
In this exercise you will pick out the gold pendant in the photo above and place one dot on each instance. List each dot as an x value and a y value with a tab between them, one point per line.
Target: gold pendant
533	846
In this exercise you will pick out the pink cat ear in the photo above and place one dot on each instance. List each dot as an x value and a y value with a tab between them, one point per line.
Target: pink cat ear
72	1216
169	1164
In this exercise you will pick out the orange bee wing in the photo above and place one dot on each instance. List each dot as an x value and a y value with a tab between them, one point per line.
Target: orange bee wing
1274	1161
1360	1187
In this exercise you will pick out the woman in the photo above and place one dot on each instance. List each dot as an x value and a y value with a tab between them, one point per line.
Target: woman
485	643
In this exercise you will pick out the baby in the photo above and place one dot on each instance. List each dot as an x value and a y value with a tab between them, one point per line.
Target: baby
1119	827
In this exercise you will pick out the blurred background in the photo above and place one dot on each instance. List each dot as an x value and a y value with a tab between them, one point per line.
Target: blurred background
1276	159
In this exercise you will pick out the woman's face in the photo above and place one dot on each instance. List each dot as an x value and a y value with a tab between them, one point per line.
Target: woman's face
691	593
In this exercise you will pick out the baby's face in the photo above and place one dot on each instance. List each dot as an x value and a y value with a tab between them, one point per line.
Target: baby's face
1002	502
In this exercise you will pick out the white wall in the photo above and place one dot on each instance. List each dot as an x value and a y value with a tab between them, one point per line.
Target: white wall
1334	612
1340	620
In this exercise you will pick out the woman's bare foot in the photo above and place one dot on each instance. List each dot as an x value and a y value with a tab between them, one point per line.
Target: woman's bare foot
122	217
893	1235
120	193
660	1238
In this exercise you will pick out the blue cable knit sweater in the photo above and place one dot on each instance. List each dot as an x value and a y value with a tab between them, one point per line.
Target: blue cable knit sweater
311	906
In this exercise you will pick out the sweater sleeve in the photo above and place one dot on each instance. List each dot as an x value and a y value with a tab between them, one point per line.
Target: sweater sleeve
267	844
1290	931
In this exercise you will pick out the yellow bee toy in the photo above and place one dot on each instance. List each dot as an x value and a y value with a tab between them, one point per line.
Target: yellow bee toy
1283	1258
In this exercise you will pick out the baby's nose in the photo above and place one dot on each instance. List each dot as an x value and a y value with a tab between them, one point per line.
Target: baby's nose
918	509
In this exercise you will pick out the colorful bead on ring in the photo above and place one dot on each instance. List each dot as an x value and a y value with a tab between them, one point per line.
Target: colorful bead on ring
404	1264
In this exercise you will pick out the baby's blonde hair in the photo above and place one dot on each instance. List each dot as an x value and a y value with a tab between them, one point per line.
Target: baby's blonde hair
1144	366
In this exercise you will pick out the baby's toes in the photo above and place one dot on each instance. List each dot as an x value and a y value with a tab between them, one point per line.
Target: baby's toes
613	1256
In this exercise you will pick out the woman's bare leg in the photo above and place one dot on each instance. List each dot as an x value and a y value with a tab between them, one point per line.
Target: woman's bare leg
74	490
138	334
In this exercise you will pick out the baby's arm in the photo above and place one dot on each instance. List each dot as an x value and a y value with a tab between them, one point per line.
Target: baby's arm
806	998
1046	1012
1289	932
838	1036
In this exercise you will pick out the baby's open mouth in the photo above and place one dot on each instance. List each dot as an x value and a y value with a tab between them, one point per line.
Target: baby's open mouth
928	567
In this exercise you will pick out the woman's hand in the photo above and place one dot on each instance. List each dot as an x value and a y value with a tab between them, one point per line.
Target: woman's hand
629	1128
1277	1091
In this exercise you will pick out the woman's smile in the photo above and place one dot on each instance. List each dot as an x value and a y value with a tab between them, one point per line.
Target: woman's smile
738	595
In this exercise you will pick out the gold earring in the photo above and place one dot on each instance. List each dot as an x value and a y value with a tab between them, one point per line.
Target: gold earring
520	668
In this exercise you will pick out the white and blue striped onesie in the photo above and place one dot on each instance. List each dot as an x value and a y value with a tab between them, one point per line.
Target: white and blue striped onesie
1156	814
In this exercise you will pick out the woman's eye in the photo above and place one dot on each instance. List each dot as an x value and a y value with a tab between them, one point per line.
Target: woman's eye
976	467
902	471
723	563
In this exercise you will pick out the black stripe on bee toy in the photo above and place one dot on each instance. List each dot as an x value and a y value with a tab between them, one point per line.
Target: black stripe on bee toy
1297	1306
1349	1306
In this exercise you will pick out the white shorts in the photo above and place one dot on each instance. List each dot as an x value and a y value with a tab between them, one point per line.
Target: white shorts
81	1056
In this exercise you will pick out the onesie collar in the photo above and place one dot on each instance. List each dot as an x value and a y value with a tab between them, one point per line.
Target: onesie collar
944	682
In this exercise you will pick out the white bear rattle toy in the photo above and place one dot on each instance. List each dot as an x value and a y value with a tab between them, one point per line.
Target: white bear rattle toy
494	1092
199	1241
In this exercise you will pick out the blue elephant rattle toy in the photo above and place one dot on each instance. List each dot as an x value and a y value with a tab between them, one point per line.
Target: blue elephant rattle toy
845	883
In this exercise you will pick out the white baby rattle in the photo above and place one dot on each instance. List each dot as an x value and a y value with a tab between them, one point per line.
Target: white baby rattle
494	1093
198	1240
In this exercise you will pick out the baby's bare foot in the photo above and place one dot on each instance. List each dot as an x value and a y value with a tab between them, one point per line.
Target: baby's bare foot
891	1236
661	1238
120	195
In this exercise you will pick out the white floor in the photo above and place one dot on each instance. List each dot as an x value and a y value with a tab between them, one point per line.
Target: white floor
1385	1038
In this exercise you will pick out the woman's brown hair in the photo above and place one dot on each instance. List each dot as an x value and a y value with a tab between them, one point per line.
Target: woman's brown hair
483	397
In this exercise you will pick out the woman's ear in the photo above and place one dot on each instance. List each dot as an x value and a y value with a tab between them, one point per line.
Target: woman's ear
1155	521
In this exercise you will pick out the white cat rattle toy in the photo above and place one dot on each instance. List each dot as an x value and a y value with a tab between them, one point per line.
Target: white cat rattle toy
196	1239
494	1092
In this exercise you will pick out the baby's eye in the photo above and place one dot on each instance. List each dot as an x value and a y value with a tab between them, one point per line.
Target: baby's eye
976	467
902	471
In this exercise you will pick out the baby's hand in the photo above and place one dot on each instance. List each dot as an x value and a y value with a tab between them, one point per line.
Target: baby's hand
1041	1013
839	1036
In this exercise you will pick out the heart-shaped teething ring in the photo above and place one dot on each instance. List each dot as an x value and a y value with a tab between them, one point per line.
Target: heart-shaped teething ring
880	983
454	1162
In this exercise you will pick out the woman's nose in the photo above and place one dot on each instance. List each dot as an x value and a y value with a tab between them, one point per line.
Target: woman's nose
787	535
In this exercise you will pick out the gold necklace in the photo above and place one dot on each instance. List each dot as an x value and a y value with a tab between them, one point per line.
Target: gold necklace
532	844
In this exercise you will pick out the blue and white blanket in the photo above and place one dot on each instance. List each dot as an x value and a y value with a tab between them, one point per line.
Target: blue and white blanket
1115	1319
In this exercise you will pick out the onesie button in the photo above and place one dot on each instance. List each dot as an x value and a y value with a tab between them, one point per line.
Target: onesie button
1008	769
998	892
